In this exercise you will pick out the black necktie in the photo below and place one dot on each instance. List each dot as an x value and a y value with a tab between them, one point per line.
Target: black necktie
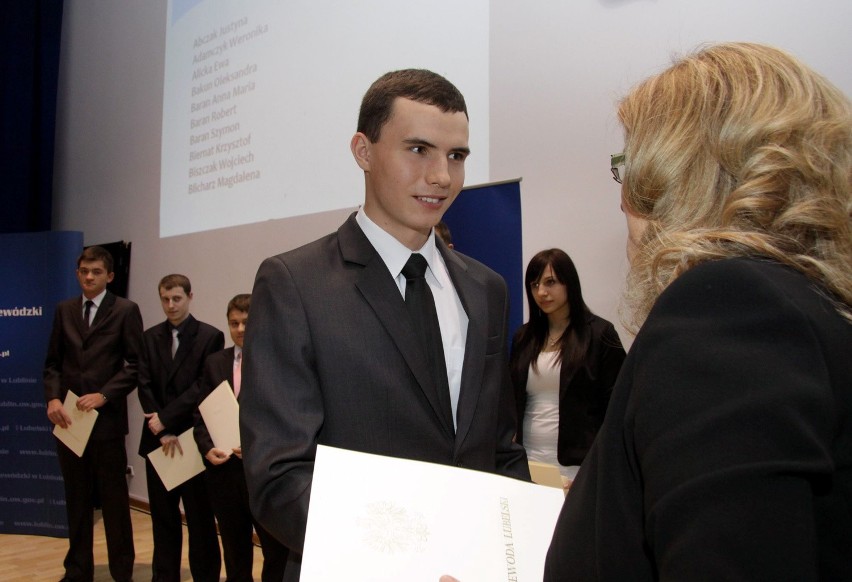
421	307
87	312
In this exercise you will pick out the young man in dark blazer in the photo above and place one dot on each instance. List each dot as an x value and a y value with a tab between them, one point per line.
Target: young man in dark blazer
225	477
173	356
94	352
332	356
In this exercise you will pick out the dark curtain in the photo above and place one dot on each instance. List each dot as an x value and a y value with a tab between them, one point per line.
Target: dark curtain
29	68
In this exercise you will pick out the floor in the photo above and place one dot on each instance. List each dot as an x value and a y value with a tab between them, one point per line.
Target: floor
38	558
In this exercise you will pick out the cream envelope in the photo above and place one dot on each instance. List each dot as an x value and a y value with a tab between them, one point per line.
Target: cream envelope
176	470
78	432
221	415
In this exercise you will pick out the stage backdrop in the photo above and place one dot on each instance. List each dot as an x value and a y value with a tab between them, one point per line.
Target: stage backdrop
485	223
38	270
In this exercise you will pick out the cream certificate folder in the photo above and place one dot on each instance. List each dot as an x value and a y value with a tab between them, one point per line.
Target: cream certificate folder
546	474
181	468
221	415
77	434
375	518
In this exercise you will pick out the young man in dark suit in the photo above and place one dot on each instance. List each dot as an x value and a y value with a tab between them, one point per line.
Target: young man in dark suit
225	477
94	352
332	352
173	356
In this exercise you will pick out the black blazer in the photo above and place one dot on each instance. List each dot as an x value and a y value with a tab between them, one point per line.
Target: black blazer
104	358
726	453
169	386
329	358
583	396
218	367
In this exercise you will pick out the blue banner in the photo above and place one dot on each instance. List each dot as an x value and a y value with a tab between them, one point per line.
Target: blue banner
485	223
38	271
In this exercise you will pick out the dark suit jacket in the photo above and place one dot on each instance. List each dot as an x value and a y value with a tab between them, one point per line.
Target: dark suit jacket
726	453
104	358
218	367
330	358
169	386
583	395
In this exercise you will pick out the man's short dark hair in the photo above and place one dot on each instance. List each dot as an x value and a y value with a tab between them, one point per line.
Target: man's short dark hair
240	302
96	253
175	280
418	85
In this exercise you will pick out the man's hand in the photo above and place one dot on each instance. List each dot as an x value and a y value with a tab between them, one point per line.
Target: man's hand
217	456
154	424
88	402
170	444
56	414
238	452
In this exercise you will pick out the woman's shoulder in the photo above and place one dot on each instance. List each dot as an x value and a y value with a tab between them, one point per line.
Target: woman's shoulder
738	275
598	324
746	285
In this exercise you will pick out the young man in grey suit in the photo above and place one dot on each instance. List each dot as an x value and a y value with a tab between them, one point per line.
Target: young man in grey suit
169	376
94	352
332	356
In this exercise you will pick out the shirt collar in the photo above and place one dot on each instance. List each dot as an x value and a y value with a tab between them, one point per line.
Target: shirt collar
97	299
394	253
180	327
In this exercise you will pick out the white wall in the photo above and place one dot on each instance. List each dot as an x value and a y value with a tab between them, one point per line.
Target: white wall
557	69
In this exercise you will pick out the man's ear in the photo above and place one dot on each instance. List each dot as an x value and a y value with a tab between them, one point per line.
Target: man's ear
360	146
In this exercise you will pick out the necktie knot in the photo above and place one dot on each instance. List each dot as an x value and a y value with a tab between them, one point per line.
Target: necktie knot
415	267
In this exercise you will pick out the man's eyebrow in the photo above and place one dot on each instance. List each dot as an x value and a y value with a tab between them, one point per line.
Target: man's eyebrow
418	141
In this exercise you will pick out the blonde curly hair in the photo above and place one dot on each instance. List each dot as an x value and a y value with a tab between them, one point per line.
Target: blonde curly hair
738	150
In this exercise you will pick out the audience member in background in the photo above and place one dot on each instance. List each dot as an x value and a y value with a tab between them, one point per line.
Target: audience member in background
726	453
94	351
169	376
442	231
564	362
226	481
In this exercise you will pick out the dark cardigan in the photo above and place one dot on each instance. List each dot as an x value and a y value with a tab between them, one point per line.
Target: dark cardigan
583	396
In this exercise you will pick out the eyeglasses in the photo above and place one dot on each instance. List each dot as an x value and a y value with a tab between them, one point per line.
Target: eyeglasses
616	165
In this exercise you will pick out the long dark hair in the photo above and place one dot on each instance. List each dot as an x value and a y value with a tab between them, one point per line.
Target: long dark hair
531	339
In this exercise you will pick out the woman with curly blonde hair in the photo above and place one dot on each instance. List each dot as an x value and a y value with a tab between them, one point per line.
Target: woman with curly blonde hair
726	453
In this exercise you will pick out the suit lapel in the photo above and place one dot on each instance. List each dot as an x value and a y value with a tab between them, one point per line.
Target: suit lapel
379	289
164	346
103	311
100	315
227	369
472	294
